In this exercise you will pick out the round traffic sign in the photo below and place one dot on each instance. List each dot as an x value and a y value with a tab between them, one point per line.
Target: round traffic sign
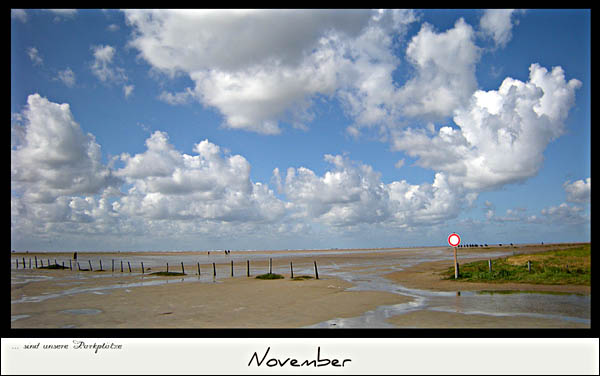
453	239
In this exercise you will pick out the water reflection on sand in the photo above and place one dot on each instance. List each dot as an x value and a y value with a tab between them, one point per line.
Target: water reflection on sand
365	273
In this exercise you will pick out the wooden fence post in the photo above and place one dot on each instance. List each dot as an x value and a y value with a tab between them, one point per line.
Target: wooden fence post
90	263
129	265
36	263
214	270
270	265
198	268
292	269
182	270
121	266
316	271
113	266
30	263
142	267
101	265
167	267
78	266
70	265
248	268
529	265
232	268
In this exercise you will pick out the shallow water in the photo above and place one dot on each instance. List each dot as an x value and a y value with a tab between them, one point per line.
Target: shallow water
564	306
364	274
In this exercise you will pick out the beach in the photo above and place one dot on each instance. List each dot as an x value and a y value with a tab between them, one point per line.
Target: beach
398	287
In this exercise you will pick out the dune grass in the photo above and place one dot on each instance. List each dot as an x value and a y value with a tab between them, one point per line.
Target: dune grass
566	266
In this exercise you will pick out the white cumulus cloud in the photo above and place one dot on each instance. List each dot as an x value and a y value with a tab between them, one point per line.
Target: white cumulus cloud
501	134
103	66
352	193
167	184
67	76
579	191
55	157
58	182
497	24
445	65
34	56
262	67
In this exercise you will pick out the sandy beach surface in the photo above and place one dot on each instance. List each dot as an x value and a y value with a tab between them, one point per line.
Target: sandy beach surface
399	287
231	303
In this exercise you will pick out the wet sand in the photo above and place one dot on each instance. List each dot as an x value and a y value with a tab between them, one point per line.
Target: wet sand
231	303
243	302
440	319
428	276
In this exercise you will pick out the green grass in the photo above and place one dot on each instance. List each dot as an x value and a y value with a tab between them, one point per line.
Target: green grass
269	276
302	277
53	266
164	273
567	266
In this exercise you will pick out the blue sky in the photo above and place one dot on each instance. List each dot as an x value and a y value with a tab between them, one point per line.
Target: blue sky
197	130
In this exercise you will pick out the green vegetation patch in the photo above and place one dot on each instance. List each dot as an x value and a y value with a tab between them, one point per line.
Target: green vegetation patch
302	277
567	266
164	273
270	276
53	266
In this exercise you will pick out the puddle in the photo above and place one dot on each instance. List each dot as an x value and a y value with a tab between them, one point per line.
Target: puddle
18	317
18	278
101	290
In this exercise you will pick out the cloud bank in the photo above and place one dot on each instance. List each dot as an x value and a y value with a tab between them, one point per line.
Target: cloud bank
261	69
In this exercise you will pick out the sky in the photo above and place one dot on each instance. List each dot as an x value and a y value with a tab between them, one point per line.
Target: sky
298	129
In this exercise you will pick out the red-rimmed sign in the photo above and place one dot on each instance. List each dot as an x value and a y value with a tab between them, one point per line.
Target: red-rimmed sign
453	239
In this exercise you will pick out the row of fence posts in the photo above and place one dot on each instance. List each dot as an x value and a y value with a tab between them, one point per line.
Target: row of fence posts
143	269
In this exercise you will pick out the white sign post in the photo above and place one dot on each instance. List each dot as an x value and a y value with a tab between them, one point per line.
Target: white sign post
454	240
